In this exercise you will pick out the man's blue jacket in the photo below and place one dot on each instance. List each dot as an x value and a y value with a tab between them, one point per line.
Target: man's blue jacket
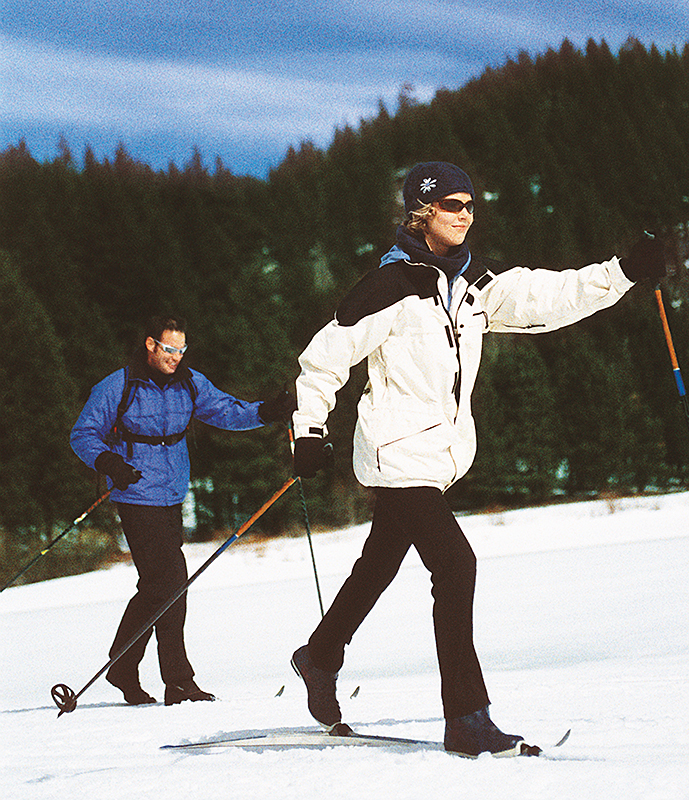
155	411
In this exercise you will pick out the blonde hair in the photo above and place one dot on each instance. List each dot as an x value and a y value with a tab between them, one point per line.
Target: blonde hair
417	219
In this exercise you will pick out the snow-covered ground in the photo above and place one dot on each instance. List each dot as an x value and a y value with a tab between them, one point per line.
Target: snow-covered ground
581	621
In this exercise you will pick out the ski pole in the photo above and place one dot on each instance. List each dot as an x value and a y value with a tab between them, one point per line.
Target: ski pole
66	700
673	355
306	524
56	539
308	535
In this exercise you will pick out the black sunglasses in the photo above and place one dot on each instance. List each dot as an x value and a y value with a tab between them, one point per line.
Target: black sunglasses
455	206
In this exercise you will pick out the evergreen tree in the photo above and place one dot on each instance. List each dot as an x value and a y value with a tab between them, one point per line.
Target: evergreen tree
39	484
572	154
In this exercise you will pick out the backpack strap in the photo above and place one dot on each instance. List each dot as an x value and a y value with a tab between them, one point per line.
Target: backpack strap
127	398
116	432
119	431
193	393
142	438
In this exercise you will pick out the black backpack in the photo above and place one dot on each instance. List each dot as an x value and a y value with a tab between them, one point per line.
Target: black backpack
119	432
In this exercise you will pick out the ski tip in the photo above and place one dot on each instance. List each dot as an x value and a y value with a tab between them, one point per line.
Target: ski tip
280	691
564	739
354	693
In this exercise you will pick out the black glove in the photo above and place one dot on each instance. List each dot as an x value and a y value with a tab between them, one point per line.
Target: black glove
279	409
646	260
115	467
311	453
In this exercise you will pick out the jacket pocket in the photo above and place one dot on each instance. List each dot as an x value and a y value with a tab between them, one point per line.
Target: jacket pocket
421	455
409	435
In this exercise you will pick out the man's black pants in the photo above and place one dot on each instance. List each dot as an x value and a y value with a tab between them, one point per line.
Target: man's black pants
154	536
417	516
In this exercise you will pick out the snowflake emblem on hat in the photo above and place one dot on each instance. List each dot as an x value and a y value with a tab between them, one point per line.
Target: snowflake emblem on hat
427	184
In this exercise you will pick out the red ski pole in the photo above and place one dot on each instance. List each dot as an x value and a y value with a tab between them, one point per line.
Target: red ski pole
673	355
66	699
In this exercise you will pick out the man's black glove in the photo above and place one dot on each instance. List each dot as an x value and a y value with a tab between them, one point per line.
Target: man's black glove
311	453
646	259
279	409
115	467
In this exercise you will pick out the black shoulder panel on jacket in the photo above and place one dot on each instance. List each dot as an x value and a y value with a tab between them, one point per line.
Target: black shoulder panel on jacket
383	287
496	267
479	265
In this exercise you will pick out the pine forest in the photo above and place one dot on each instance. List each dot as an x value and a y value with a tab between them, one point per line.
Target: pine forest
573	155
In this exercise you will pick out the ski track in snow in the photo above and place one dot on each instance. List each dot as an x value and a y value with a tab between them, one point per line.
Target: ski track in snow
581	622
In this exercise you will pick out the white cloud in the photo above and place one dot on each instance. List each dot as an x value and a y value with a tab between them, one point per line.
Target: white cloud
44	84
263	74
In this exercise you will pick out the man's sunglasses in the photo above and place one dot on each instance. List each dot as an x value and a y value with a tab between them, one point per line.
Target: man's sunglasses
455	206
173	351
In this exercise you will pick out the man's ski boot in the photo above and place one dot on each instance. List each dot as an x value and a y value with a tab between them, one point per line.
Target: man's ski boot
476	733
185	690
320	688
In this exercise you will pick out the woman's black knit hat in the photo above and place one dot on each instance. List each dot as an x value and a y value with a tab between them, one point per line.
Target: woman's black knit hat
432	181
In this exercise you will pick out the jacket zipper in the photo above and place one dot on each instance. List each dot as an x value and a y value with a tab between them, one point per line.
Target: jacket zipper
400	439
453	337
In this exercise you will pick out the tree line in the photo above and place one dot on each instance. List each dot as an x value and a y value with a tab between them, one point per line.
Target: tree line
573	154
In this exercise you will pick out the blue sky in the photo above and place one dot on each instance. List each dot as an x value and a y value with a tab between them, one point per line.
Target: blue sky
245	79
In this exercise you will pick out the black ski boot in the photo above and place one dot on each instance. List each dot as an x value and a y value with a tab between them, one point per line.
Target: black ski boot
185	690
131	689
476	733
320	688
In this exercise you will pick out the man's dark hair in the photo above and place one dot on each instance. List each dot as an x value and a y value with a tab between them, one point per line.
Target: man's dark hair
156	325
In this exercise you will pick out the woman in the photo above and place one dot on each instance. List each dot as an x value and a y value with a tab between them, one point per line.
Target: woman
419	320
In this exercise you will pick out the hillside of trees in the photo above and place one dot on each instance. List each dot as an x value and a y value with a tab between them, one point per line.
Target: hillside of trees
573	155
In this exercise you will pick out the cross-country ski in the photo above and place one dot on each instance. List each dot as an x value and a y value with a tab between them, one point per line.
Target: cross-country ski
319	739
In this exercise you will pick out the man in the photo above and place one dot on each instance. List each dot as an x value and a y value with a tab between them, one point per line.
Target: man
133	428
419	321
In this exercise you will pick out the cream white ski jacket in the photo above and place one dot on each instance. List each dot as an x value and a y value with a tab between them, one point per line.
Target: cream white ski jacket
415	426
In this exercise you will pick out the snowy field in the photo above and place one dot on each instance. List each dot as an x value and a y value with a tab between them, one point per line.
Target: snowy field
581	621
